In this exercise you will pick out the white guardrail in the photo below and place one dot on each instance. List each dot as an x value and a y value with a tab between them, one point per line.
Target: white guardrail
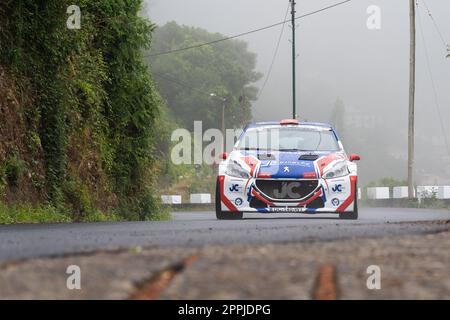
195	198
174	199
200	198
376	193
422	192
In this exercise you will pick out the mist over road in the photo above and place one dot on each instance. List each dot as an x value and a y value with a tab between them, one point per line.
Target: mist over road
198	229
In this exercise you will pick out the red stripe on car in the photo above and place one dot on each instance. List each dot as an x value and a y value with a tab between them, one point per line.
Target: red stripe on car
251	162
261	198
223	198
264	175
351	198
309	175
314	197
325	161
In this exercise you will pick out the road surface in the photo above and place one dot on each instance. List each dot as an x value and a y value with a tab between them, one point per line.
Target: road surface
196	229
194	256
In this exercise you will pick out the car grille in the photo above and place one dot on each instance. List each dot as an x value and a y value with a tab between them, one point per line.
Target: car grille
286	189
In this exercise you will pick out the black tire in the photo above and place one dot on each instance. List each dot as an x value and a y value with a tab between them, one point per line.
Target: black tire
225	215
353	215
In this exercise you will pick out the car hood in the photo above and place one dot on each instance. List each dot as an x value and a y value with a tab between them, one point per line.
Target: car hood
287	165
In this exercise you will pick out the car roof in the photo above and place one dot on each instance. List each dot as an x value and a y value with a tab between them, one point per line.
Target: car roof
272	123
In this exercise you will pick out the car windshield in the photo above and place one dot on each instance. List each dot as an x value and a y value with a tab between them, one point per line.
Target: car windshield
289	139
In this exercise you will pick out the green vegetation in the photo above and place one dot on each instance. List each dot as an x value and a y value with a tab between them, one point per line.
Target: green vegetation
204	180
79	113
187	78
187	179
27	213
83	129
13	171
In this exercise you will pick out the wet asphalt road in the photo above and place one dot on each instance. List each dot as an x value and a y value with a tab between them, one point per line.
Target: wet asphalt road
196	229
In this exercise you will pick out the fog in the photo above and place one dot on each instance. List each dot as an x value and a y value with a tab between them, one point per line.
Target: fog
339	57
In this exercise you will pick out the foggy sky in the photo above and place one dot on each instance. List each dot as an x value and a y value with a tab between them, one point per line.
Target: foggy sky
340	58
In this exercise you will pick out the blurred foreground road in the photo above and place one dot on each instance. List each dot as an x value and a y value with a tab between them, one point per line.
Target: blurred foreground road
195	256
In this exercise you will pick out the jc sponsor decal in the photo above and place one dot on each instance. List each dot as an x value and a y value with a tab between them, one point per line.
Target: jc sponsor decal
235	188
337	188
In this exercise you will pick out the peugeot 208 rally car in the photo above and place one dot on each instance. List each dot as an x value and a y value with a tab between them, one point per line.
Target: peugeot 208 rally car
287	166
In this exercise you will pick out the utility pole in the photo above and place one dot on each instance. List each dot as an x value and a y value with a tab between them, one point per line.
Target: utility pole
223	118
412	85
294	56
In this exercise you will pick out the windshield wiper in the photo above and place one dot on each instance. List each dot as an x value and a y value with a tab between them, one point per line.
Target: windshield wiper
294	150
250	149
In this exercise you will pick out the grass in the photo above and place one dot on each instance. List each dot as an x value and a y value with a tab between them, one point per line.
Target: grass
434	203
99	216
29	214
163	215
192	181
427	203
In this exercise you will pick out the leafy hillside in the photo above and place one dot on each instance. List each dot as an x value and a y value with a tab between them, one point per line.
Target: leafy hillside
78	110
186	78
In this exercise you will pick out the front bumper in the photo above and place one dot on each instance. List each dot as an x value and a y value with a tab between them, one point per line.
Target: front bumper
323	196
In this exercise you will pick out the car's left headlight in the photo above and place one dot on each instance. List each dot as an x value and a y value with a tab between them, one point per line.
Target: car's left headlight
340	169
234	169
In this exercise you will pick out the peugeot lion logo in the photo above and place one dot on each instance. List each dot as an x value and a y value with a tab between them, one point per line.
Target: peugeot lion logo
286	169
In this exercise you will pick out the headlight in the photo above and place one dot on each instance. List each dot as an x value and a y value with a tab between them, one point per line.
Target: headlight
234	169
340	169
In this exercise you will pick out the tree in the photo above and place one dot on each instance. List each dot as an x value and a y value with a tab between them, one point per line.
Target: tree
91	122
187	78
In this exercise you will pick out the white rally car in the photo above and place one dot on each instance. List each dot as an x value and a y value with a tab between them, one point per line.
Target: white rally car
287	166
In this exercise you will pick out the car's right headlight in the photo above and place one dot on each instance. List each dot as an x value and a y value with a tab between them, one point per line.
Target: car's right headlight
234	169
340	169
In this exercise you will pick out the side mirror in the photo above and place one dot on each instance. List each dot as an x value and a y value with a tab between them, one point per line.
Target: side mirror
223	155
354	157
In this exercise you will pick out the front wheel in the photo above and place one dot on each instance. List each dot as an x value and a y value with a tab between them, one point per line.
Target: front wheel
353	215
224	215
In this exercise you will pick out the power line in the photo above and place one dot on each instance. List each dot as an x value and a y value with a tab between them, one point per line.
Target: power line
177	81
246	33
274	54
436	100
184	84
273	60
434	23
